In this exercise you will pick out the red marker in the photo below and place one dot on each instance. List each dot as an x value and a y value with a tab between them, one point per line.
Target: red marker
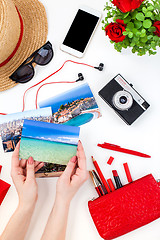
101	175
124	150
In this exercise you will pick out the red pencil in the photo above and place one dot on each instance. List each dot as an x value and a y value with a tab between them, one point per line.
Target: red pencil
100	175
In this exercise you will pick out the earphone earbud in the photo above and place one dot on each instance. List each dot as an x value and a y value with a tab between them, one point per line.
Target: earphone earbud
100	67
80	77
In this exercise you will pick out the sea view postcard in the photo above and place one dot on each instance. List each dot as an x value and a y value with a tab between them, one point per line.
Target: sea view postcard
48	142
11	125
74	107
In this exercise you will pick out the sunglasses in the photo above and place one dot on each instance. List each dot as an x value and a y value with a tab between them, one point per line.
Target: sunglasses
25	71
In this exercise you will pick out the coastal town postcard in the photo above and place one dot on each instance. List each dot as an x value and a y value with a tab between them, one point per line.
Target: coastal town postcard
11	125
49	142
74	107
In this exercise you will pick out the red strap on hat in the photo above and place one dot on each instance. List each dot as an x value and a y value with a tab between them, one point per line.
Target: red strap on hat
18	44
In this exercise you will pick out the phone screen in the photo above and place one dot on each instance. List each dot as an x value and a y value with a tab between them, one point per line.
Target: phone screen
81	30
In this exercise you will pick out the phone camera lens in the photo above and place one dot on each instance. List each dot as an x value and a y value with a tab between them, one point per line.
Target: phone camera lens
123	99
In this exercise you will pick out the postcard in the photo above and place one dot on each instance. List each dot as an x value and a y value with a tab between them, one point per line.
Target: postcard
48	142
74	107
11	125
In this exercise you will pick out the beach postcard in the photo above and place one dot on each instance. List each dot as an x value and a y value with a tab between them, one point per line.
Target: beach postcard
74	107
11	125
49	142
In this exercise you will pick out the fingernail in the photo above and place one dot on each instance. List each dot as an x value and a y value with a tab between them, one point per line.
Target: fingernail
74	159
30	160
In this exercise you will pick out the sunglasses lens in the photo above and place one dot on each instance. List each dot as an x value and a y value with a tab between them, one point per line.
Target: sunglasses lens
44	55
23	74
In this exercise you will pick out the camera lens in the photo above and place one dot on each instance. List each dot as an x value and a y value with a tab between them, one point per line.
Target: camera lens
123	99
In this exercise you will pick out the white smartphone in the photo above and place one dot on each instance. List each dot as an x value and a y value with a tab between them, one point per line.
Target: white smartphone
81	31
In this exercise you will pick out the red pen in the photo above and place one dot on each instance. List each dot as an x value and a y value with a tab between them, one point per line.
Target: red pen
120	149
101	175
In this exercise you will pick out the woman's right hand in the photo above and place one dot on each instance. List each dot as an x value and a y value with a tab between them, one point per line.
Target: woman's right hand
73	177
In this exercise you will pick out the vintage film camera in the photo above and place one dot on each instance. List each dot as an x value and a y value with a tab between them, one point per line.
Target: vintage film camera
124	99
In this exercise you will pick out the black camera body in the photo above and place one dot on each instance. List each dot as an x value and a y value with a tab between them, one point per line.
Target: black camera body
124	99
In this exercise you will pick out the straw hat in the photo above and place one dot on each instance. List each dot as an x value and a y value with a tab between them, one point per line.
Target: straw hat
23	29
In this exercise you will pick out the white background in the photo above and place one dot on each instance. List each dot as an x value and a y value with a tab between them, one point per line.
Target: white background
143	135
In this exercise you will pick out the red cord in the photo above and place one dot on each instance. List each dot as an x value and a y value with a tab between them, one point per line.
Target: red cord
47	84
50	76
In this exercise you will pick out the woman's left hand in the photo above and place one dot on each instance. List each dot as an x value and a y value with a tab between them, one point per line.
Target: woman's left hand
23	176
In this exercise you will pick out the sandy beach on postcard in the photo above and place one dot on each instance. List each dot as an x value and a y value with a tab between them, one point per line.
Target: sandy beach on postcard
47	151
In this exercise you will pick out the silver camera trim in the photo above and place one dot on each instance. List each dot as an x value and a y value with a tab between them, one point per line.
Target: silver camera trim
126	86
118	104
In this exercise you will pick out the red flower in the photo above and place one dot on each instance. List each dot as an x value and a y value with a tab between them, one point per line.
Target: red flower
157	25
127	5
115	31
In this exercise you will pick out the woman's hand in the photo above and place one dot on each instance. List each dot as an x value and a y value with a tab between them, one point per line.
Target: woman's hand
73	177
22	173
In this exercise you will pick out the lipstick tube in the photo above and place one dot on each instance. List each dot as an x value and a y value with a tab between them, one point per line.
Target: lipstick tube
117	179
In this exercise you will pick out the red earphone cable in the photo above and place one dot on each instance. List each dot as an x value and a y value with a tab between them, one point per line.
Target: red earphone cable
51	76
47	84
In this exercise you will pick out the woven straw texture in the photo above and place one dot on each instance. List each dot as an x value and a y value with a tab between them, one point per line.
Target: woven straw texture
35	34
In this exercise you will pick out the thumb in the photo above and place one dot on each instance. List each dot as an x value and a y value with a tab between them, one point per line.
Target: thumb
70	167
30	169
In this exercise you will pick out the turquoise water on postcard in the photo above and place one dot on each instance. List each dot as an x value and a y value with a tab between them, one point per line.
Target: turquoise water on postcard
47	151
80	120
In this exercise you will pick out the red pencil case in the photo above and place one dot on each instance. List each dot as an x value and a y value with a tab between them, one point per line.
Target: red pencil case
126	209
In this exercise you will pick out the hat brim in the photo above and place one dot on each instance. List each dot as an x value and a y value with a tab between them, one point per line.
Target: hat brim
34	36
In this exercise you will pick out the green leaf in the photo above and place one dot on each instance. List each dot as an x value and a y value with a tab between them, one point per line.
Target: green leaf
143	33
133	50
140	16
152	29
144	9
150	8
144	39
138	33
132	44
147	23
149	37
127	19
130	34
156	38
134	30
133	14
137	24
148	14
125	33
130	25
